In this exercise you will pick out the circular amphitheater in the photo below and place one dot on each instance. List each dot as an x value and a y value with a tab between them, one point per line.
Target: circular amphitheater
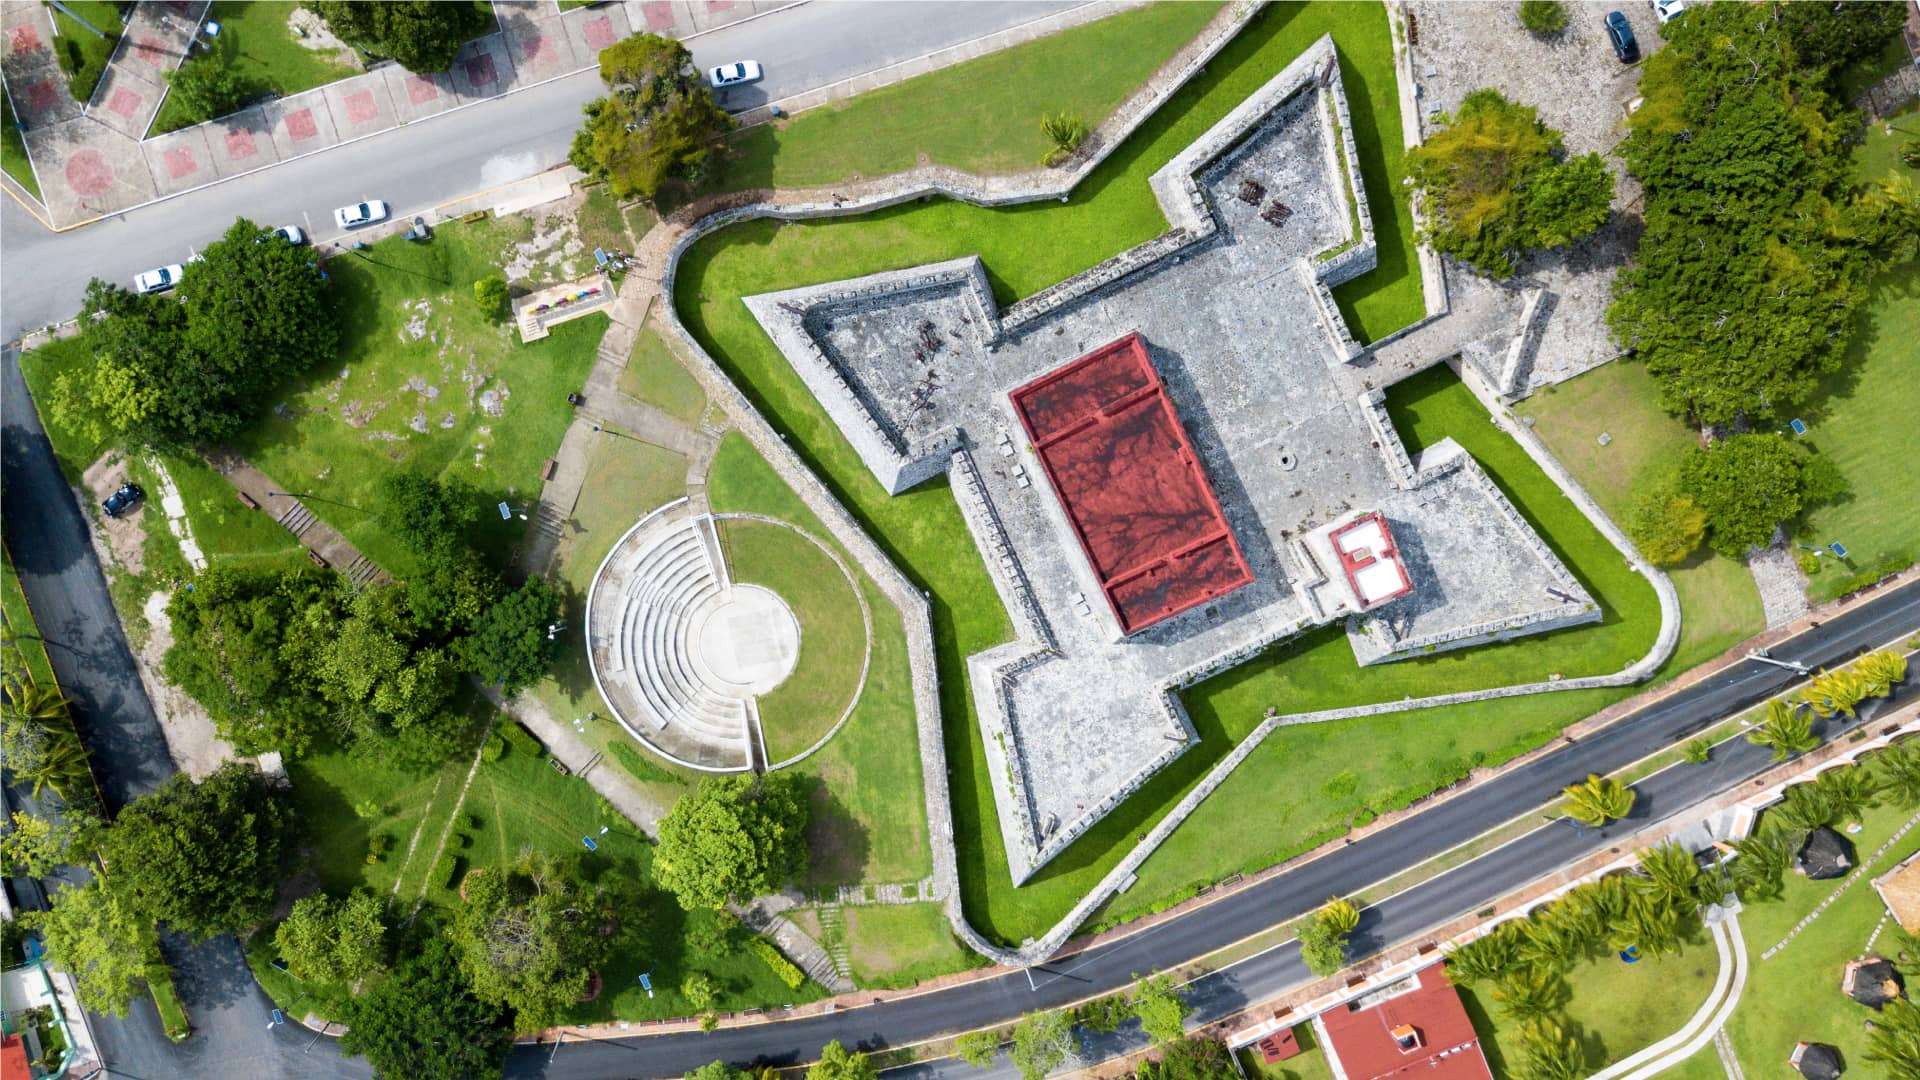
682	653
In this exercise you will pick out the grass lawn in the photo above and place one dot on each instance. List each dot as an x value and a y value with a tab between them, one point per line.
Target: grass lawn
258	46
228	532
423	381
898	945
1720	604
1028	248
982	116
600	221
1309	1064
1614	1009
83	54
74	447
825	678
654	375
13	151
20	622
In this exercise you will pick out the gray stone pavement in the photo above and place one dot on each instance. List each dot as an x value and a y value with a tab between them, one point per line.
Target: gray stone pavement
36	86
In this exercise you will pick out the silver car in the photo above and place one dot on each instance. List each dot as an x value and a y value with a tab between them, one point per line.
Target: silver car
158	280
362	213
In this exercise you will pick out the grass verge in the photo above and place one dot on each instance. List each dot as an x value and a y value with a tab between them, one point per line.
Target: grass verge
654	375
13	151
260	48
898	945
83	49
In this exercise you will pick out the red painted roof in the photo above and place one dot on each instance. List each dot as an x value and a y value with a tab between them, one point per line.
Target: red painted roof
1380	586
13	1059
1449	1047
1134	490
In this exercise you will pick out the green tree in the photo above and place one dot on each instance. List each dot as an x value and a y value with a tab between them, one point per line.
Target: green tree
977	1048
36	846
1543	18
1529	994
512	645
700	991
1495	185
423	35
431	516
229	633
839	1063
718	1070
1697	751
205	88
332	940
531	940
203	858
1161	1009
1899	768
659	122
102	938
1760	864
1895	1039
1486	958
424	1022
1549	1052
1837	692
1785	730
1830	36
1747	485
491	294
1323	951
1597	800
1881	670
732	837
1193	1058
1668	875
1041	1041
1667	526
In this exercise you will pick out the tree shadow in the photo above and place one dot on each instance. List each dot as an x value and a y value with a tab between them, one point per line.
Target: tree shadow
837	842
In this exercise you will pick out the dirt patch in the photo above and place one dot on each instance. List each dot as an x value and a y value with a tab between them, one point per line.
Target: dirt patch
312	33
196	748
556	252
126	535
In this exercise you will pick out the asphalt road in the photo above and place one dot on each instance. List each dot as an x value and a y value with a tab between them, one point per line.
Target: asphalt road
1371	859
430	162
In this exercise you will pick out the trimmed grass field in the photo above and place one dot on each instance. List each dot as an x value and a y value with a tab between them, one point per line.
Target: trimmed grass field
423	381
826	676
73	447
898	945
83	54
13	151
1028	248
21	624
982	116
1720	603
655	376
260	48
1310	1064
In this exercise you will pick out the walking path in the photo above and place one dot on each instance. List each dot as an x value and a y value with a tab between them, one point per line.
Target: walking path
324	544
1859	873
1705	1024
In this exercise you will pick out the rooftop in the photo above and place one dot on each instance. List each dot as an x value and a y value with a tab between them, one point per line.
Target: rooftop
1415	1028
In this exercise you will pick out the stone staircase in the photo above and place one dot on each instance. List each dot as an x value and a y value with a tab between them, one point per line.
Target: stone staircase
833	941
296	518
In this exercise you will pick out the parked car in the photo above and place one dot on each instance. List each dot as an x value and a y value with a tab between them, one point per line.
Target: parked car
121	501
737	73
1665	10
364	213
158	280
292	234
1620	33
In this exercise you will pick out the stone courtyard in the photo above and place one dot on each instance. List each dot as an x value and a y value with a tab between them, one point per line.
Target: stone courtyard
1285	415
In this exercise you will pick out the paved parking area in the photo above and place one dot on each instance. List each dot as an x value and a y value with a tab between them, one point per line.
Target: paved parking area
1582	90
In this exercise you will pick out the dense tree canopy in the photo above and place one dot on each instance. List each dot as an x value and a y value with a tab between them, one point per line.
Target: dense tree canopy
1747	485
839	1063
1193	1058
1495	185
423	35
35	846
531	940
1667	525
206	87
251	310
1753	261
334	940
229	631
660	120
423	1022
733	837
1161	1009
1041	1041
511	646
103	939
203	858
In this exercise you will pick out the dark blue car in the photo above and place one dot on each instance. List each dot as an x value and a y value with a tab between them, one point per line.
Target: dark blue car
1620	32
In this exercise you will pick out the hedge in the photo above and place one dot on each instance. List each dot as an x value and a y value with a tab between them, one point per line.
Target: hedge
782	967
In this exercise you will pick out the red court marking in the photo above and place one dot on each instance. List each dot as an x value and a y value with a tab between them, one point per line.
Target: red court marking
180	162
1132	486
361	107
532	45
88	173
659	15
124	102
43	95
420	89
240	145
598	32
150	51
26	39
300	125
718	5
480	70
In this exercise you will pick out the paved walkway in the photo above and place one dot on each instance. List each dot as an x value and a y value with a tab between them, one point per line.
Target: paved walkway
323	542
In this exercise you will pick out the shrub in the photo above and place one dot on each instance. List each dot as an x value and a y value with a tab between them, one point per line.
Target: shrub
459	842
1543	18
206	88
446	872
521	739
783	968
1910	154
491	294
367	808
1667	526
1065	132
378	844
1698	751
494	747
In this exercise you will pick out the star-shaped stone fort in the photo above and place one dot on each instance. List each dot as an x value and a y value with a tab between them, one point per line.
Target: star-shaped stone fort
1173	460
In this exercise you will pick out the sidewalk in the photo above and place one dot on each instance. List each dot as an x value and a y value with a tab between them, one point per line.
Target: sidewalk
323	542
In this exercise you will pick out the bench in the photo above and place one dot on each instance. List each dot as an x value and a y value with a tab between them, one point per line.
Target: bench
317	560
252	503
547	470
559	766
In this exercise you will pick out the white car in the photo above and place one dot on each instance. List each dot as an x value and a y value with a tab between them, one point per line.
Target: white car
363	213
1665	10
737	73
159	280
292	234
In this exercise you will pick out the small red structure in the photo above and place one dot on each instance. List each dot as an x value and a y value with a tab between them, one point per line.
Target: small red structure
1278	1046
1133	488
1371	560
1423	1031
13	1059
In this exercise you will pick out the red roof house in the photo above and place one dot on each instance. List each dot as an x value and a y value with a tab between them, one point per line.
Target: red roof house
1414	1028
13	1059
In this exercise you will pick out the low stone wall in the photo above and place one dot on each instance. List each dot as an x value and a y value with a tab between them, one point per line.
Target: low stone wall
1524	343
1374	406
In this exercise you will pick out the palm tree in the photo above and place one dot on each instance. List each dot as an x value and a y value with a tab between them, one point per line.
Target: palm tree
1786	730
23	699
1899	767
63	767
1882	669
1597	800
1668	875
1488	957
1529	994
1895	1041
1804	808
1547	945
1760	864
1847	792
1551	1053
1339	916
1836	692
1653	926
